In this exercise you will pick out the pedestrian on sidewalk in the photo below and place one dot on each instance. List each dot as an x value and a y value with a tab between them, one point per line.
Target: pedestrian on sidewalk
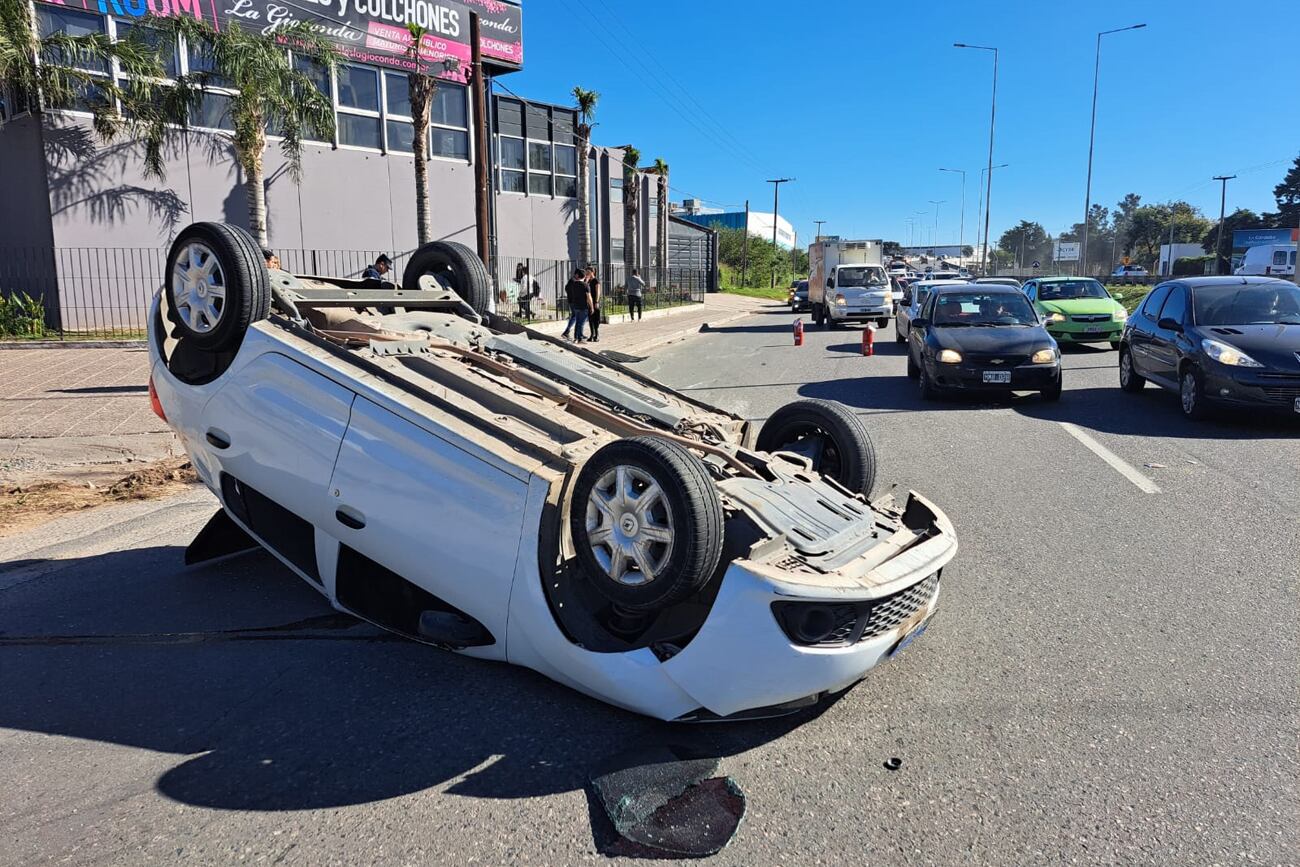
597	299
635	294
579	304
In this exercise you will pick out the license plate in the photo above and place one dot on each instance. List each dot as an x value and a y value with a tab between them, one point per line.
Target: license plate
994	376
908	639
1093	329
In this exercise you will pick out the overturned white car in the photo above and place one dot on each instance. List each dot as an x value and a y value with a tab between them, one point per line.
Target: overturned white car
466	482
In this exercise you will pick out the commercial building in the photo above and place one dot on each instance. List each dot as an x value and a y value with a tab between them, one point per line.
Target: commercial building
759	223
85	229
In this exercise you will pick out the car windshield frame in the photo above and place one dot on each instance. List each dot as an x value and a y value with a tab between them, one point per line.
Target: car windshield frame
1017	307
1210	310
871	276
1054	287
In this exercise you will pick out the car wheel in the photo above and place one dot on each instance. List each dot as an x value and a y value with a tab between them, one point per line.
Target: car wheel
882	323
817	315
913	371
1114	344
898	333
834	439
924	385
1129	379
1053	393
456	267
216	285
1191	395
646	522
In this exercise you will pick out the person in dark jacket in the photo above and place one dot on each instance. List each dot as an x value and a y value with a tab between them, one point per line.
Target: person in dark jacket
597	300
380	270
579	304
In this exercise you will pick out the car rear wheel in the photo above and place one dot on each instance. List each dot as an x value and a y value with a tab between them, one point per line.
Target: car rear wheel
1191	395
834	439
216	285
646	522
898	332
454	266
913	370
1129	379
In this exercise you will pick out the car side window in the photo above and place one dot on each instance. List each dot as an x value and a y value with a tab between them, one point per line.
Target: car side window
1031	289
1175	307
1151	307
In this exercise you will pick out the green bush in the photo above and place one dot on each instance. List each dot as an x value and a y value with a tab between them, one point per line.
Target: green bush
1193	266
21	315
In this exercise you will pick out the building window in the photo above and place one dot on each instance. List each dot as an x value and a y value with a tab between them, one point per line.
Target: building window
358	107
159	42
615	191
539	168
319	75
449	118
566	171
512	165
616	251
51	20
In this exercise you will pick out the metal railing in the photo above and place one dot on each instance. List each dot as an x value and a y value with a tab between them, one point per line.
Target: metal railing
103	293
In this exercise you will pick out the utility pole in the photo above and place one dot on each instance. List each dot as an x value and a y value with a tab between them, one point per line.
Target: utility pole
936	224
482	191
1223	201
993	114
1092	136
776	201
744	249
819	223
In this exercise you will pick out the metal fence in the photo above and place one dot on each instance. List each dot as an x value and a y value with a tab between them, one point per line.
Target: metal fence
104	292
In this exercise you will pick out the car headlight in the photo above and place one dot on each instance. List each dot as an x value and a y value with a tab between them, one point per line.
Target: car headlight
1225	353
1120	316
1044	356
1054	317
839	301
949	356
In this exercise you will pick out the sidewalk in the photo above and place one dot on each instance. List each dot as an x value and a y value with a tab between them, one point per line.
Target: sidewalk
73	413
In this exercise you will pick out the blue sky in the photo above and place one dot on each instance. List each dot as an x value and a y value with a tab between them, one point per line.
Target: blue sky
862	102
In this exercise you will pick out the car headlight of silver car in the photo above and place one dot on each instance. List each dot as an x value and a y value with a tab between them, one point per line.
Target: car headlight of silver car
1226	353
1044	356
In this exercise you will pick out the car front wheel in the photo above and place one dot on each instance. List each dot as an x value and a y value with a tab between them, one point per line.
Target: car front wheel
834	439
1191	395
1129	379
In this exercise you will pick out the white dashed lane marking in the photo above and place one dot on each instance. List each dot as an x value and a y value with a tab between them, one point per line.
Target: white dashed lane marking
1117	463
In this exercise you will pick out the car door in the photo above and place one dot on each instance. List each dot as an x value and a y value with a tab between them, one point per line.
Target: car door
1142	334
1167	339
916	336
431	513
272	433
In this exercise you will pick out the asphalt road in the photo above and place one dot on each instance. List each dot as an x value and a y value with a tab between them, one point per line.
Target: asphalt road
1112	677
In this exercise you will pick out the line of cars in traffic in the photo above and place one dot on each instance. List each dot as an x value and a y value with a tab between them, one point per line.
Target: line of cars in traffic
1212	340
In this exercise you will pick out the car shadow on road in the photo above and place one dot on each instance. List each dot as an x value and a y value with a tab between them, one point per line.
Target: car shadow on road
881	347
900	393
323	711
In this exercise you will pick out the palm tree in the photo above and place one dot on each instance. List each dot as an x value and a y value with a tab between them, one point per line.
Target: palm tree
32	68
422	87
586	100
271	90
631	197
660	168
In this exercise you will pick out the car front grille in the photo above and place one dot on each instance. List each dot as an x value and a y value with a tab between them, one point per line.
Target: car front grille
888	612
997	362
1103	317
1273	392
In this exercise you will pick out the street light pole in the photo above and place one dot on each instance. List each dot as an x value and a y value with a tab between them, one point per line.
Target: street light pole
776	201
961	233
1223	202
1092	136
979	207
993	114
936	219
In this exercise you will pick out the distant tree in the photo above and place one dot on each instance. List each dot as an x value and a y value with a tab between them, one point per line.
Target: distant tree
968	251
660	171
891	248
631	205
1287	194
586	100
1150	225
1026	242
39	72
1124	215
421	86
1242	218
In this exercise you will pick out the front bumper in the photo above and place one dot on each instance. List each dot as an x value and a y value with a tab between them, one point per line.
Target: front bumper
1077	332
1249	388
970	377
866	311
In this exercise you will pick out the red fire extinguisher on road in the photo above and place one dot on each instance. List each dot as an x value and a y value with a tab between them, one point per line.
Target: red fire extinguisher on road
869	339
798	332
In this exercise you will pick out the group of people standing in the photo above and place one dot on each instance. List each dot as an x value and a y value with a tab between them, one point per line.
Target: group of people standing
586	295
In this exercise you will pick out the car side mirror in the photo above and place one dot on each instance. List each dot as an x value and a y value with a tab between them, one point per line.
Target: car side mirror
1169	324
919	323
830	282
907	300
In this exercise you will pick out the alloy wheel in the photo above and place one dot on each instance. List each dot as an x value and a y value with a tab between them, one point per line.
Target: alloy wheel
199	287
629	526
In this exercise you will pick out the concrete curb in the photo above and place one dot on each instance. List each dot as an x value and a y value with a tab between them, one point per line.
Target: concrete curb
73	344
683	333
556	326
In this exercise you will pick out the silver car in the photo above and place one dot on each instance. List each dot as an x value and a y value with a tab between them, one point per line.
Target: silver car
913	300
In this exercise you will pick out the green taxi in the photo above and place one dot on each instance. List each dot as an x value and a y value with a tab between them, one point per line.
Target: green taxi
1077	310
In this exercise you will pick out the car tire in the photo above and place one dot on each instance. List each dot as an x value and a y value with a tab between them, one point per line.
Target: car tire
216	285
455	265
1129	379
1191	395
678	533
1114	345
818	316
1052	394
913	371
898	333
924	385
847	454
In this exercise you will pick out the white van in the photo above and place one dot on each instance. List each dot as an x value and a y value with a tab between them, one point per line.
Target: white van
1277	260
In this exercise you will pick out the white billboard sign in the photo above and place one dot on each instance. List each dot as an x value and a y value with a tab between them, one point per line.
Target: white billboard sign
1067	251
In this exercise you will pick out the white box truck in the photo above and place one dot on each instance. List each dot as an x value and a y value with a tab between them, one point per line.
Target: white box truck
848	282
1273	260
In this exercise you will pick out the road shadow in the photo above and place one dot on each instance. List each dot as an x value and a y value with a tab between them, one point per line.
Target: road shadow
275	702
881	347
1155	412
900	393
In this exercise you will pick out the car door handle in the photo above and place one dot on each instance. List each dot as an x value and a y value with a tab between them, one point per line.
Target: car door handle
217	439
348	519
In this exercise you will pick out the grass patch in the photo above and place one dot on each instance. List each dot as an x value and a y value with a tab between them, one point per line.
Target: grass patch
1129	296
777	294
